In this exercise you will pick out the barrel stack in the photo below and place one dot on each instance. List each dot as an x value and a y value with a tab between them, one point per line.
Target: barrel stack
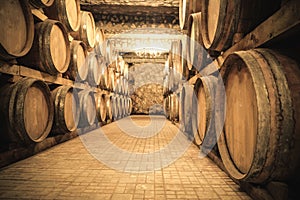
63	66
245	103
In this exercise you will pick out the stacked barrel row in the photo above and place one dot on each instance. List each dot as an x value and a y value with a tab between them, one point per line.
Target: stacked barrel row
65	43
249	105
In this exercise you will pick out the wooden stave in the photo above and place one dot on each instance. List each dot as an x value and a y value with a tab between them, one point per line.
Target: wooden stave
15	96
4	54
174	110
58	96
234	28
73	71
274	163
184	13
167	107
39	55
58	11
104	73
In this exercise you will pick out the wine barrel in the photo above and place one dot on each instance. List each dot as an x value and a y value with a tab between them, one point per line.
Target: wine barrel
188	95
126	71
125	87
260	140
166	106
196	53
109	112
87	108
77	69
100	42
65	11
87	31
174	107
26	111
114	107
50	51
111	54
111	79
101	106
220	26
66	114
41	3
129	106
203	112
165	85
94	72
104	73
17	33
184	12
122	107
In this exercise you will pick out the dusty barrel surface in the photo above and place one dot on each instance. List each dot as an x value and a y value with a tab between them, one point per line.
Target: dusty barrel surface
262	90
77	69
203	113
17	33
65	11
87	108
101	106
50	51
220	27
66	112
188	95
26	111
166	106
41	3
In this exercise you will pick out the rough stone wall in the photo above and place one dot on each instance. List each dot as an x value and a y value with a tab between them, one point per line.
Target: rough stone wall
146	89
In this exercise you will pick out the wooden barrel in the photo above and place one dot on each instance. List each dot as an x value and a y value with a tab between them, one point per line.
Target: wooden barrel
87	31
26	111
111	53
125	87
184	12
220	27
203	112
100	42
104	73
122	107
166	85
66	113
129	106
94	72
111	79
126	71
260	140
174	107
41	3
65	11
87	108
50	51
167	106
195	6
109	112
114	104
17	33
101	106
188	93
196	53
77	69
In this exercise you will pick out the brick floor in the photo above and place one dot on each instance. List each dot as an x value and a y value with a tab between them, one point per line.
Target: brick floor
133	164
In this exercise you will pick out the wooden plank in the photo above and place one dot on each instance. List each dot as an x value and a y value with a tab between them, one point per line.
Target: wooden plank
39	15
286	18
9	69
28	72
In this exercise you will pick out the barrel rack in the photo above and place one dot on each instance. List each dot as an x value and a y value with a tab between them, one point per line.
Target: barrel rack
282	27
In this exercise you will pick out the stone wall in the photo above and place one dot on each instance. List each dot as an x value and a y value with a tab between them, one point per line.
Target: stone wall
146	89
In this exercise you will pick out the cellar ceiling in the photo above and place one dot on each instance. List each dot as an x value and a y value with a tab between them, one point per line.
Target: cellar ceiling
137	24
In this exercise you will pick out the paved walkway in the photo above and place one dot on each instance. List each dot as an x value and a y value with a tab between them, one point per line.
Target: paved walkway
122	160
